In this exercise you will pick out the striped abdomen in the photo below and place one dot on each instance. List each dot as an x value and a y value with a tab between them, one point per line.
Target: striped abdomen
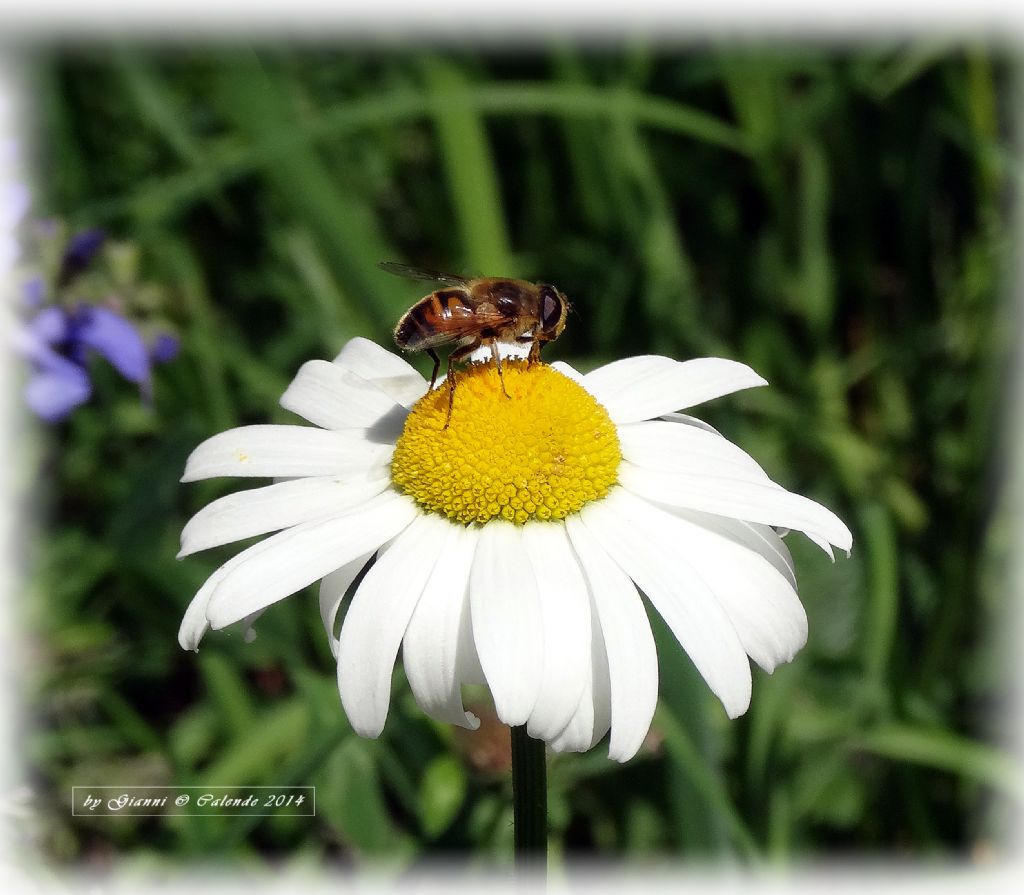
440	318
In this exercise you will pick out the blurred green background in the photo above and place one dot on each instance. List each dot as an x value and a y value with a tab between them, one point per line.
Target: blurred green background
838	217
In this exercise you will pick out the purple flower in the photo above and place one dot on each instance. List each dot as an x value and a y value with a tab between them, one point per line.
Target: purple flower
58	343
34	294
165	347
56	387
59	339
78	255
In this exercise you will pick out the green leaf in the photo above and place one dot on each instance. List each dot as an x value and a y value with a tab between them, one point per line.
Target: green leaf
946	751
257	749
349	795
442	794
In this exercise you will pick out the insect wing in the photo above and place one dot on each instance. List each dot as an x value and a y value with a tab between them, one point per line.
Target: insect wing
446	317
421	274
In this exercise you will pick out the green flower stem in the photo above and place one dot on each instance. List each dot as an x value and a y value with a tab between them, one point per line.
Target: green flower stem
529	801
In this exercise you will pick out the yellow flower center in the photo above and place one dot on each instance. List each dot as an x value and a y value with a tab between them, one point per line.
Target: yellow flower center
541	453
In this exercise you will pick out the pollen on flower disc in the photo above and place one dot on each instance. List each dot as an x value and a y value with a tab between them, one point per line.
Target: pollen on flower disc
541	453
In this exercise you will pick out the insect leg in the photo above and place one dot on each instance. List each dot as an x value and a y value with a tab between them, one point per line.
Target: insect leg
450	380
497	362
459	354
437	366
535	351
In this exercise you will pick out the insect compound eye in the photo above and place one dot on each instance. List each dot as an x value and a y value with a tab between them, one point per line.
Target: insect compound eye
550	308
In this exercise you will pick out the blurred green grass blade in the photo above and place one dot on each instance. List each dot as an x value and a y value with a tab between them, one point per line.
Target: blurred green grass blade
67	181
982	104
706	780
589	162
945	750
396	776
227	690
751	81
893	74
256	751
340	317
203	335
259	107
698	827
882	610
780	825
470	170
192	735
228	161
981	91
823	789
130	723
296	769
670	291
577	102
816	300
644	831
74	562
260	383
770	706
160	105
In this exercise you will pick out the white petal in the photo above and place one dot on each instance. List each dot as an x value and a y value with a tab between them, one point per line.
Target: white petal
507	622
467	662
257	511
439	629
629	644
300	555
647	444
592	717
195	623
759	598
392	374
334	397
641	388
688	420
333	588
631	532
377	620
683	448
738	497
366	358
285	451
566	370
565	616
249	623
823	544
760	538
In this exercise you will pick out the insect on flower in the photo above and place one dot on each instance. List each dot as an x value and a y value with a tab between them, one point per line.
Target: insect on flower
470	313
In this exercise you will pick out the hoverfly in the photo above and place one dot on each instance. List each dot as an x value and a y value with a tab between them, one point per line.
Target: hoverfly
470	313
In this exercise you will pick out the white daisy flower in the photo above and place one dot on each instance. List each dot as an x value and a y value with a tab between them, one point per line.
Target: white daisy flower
512	547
